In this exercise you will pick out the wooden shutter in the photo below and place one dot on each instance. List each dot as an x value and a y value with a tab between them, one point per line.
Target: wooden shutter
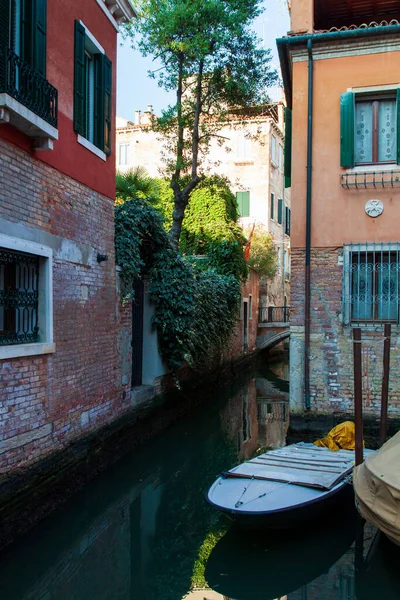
288	148
272	205
288	220
246	204
347	129
26	31
243	202
98	119
39	36
107	66
79	79
398	124
280	211
4	39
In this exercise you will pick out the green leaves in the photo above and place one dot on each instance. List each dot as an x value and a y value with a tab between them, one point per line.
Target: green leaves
195	307
211	58
263	255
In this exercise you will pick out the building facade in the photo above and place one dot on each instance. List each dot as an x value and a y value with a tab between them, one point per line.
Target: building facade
342	82
251	157
59	375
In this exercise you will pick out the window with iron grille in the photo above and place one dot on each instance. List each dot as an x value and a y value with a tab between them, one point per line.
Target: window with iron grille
19	297
371	283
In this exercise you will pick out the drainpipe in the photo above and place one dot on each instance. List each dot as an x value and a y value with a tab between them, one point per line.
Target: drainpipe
307	308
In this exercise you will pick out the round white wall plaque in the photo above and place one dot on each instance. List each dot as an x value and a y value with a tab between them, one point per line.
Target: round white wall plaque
374	208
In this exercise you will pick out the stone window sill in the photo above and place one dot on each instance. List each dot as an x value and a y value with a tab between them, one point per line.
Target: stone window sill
89	146
21	350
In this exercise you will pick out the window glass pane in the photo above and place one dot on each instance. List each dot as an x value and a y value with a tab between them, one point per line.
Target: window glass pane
387	131
273	148
363	137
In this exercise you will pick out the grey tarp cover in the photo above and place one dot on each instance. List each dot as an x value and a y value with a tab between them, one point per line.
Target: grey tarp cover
377	488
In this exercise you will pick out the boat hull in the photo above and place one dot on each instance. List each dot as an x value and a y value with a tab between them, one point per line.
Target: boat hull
295	516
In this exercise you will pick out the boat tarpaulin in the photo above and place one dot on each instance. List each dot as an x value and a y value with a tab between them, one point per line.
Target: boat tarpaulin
343	436
377	487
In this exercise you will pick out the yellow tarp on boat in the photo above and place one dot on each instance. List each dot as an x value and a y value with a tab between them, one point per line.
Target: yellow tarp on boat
341	437
377	488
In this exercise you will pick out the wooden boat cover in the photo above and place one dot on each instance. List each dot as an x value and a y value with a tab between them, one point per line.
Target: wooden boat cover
299	464
377	487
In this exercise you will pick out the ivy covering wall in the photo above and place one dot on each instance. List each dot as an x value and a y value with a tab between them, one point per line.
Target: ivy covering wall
196	301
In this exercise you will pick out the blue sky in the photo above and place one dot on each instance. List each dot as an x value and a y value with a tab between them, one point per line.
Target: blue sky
136	90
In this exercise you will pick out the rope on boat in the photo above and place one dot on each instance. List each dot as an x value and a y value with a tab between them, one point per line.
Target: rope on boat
239	503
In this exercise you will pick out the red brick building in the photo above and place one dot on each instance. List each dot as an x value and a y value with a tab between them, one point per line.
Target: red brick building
58	350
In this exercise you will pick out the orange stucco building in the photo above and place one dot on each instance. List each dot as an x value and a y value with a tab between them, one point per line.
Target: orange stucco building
340	65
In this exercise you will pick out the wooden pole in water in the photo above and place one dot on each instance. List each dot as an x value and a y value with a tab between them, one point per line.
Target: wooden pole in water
385	383
358	394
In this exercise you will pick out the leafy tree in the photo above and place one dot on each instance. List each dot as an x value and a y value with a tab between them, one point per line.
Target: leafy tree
263	255
210	58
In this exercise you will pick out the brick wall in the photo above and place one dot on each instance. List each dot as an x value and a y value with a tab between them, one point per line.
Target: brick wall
331	348
46	401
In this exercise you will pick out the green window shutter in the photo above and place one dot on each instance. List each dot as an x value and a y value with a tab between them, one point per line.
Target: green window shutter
98	117
280	210
103	103
288	148
243	202
289	219
79	79
347	129
39	36
107	65
272	205
246	204
398	125
4	38
26	31
239	202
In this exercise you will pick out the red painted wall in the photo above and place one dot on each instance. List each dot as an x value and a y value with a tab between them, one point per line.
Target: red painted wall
68	155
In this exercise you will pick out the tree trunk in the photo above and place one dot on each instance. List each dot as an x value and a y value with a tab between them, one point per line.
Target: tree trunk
180	204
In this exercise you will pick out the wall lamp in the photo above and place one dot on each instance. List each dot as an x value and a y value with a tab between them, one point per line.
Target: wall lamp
102	258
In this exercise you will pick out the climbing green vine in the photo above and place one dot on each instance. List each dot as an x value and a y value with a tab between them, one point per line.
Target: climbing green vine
195	307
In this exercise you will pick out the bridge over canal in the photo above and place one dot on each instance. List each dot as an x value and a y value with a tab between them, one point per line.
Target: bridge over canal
273	326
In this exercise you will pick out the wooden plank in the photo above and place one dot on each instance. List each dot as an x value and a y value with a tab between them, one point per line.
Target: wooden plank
303	463
321	480
299	466
306	459
309	457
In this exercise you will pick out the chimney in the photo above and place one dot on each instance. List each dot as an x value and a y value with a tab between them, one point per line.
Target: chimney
137	117
150	109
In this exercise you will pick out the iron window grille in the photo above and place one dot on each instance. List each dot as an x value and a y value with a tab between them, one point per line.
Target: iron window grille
19	297
371	283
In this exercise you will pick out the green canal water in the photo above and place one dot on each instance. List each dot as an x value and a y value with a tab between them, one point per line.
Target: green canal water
143	531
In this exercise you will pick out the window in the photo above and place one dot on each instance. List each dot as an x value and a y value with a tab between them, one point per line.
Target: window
280	211
123	150
26	320
243	202
27	31
371	283
92	90
273	149
288	148
243	148
272	206
287	220
280	157
369	129
250	306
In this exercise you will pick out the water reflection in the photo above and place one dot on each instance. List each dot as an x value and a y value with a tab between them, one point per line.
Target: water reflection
143	531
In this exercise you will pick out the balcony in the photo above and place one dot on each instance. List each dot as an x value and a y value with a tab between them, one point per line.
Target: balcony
344	13
27	100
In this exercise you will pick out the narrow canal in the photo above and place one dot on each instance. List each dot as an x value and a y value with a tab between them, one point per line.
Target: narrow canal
143	531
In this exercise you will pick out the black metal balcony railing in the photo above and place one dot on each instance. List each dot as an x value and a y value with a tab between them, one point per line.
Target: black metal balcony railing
274	314
27	86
